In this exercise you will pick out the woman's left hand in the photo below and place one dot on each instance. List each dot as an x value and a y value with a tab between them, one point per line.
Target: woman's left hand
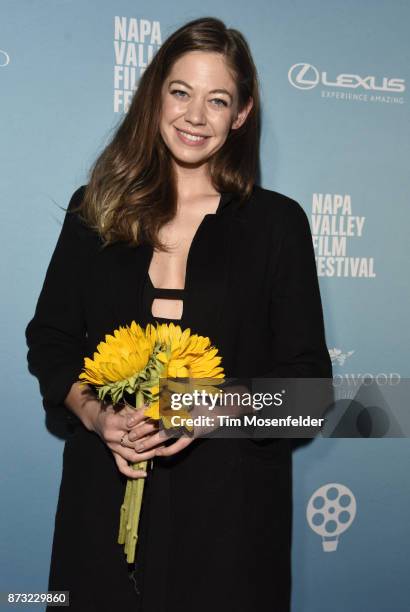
185	440
144	444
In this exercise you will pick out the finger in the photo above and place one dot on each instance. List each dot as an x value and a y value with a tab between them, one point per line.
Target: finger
141	430
130	454
133	417
145	421
172	449
149	442
126	469
121	421
128	438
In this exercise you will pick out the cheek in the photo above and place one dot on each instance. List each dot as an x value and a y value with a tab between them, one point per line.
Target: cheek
222	123
171	109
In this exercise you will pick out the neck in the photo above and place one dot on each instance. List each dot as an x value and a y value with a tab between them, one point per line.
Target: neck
193	180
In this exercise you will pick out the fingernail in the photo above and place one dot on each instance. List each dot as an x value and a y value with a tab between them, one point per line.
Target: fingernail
132	421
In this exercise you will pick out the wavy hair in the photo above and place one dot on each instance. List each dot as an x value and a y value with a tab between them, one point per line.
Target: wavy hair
131	192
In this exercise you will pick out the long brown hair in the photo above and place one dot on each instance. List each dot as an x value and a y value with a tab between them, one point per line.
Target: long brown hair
131	191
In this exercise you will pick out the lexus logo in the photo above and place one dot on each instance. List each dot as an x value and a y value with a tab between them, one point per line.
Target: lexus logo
303	76
307	76
4	58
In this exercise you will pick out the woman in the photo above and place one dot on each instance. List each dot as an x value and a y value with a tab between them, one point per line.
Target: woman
172	203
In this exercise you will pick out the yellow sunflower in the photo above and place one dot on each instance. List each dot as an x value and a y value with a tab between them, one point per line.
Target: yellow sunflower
121	364
185	355
133	359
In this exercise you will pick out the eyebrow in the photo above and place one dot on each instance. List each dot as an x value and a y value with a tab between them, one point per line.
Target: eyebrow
222	91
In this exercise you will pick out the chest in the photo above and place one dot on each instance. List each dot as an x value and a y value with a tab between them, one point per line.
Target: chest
167	269
223	264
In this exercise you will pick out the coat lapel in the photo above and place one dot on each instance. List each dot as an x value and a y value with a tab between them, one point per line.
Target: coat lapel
127	269
207	275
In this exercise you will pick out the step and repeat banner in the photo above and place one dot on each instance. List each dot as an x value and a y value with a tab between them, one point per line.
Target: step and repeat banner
335	137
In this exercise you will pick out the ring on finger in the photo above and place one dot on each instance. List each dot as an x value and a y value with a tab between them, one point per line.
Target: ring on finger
122	439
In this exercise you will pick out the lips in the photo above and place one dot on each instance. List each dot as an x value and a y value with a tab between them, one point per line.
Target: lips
191	133
191	139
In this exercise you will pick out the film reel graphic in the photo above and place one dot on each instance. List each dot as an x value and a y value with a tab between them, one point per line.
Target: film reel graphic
330	511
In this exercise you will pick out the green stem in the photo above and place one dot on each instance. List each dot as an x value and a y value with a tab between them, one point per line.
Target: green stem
135	517
124	513
139	399
131	507
130	515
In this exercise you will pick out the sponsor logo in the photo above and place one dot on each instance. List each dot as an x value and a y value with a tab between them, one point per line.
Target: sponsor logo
307	76
303	76
330	511
367	379
368	88
338	357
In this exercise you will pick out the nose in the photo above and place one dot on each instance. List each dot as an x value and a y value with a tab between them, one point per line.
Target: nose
195	112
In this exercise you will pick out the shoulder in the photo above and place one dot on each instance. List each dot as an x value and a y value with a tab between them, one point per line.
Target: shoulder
76	198
277	208
75	230
73	218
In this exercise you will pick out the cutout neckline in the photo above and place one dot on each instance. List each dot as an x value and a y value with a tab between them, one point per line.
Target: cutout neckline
162	292
163	288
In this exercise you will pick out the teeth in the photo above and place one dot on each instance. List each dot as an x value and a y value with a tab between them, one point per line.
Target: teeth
191	137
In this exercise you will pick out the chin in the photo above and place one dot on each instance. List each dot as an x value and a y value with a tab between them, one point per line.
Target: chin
192	157
185	154
189	156
190	160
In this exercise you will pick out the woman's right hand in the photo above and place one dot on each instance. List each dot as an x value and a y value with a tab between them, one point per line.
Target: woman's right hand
112	427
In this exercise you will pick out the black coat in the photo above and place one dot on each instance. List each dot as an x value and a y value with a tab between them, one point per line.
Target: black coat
216	519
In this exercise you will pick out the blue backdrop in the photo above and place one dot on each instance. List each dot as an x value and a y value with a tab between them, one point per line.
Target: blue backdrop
336	138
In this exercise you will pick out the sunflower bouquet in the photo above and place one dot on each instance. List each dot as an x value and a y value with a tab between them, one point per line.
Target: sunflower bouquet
131	361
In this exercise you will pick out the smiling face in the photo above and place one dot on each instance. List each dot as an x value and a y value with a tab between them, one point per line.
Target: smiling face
199	107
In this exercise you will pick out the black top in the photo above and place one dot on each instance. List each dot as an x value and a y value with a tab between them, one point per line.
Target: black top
150	293
216	524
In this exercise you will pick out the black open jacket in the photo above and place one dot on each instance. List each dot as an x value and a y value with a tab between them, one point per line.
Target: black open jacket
219	512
